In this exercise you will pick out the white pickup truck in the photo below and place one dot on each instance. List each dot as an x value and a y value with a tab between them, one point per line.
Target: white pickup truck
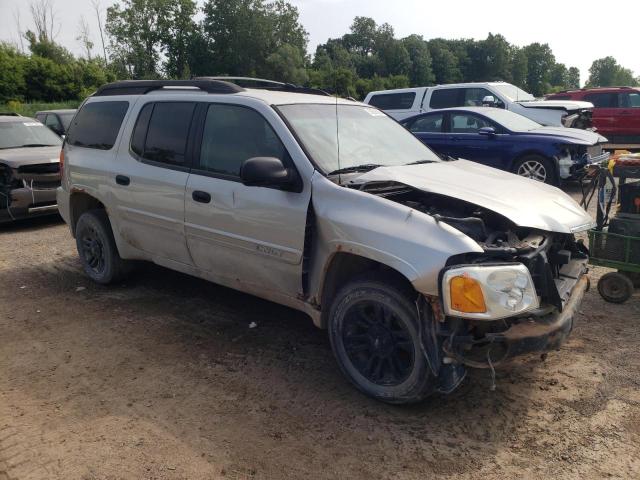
406	102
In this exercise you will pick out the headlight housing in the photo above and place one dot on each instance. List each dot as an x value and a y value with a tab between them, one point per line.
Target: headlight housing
488	292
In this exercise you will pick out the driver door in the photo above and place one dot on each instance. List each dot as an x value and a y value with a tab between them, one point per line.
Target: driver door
244	235
467	143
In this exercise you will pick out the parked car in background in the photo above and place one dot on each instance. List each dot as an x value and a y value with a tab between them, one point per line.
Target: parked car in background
29	168
414	265
508	141
616	113
407	102
57	120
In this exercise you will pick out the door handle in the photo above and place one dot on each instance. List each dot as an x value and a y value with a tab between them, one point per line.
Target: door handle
200	196
123	180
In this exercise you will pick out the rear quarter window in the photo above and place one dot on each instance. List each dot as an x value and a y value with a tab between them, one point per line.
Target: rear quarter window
97	125
393	101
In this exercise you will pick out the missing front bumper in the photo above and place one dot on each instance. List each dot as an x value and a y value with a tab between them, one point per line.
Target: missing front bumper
527	335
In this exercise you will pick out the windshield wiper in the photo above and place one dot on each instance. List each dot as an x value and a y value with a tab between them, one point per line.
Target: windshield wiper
27	145
420	162
365	167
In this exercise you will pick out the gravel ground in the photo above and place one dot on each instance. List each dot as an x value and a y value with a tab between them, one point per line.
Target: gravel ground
162	378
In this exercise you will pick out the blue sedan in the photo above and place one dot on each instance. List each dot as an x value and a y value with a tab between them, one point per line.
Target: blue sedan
508	141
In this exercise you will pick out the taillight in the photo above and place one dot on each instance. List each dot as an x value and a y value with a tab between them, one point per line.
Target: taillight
61	163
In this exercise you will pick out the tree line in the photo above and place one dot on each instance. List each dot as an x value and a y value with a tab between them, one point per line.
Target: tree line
258	38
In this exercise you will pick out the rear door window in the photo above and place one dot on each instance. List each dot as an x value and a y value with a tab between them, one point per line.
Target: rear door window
393	101
97	125
162	131
446	98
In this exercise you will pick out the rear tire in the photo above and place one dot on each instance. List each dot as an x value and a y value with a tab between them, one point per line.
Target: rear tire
615	287
537	167
97	248
374	334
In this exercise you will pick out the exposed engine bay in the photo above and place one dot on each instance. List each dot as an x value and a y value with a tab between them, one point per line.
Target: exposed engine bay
550	257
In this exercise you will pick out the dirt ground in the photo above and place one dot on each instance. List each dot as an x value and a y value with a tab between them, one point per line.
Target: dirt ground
162	378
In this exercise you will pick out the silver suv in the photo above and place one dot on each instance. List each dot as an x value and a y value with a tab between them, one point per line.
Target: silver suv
418	268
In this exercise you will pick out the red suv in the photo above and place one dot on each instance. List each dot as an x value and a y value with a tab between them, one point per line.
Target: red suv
616	112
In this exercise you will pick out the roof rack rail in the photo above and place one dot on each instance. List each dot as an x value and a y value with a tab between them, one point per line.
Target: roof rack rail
142	87
263	84
9	114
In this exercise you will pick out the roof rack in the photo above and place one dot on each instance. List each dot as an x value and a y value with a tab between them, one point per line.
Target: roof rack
9	114
263	84
142	87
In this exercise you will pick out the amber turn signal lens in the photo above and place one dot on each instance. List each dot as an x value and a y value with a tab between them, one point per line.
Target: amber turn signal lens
466	295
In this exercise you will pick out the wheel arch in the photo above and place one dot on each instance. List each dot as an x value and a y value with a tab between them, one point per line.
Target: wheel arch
341	267
79	203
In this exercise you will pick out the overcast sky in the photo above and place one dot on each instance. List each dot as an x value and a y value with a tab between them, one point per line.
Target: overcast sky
577	32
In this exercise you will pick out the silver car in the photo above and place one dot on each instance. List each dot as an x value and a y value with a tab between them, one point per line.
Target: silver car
418	268
29	168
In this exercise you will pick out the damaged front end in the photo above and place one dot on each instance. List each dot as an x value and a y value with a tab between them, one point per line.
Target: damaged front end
519	295
28	190
573	159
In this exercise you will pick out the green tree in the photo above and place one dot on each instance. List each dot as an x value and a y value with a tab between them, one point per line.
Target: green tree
519	68
606	72
445	64
287	65
12	66
420	71
242	34
573	77
135	29
540	61
176	36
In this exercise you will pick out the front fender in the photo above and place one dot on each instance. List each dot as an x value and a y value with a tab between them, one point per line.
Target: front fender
405	239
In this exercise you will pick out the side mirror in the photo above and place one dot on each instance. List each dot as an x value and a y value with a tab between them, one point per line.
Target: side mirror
265	172
488	131
489	100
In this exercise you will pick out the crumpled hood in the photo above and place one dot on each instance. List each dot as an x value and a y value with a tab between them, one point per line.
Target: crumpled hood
17	157
571	135
568	105
525	202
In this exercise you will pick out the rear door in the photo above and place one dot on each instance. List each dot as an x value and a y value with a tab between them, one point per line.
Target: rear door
250	236
150	178
604	112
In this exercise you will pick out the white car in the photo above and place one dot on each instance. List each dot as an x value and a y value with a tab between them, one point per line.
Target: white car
406	102
416	267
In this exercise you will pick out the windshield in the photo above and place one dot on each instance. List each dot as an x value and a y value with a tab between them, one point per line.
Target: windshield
366	136
66	119
27	132
510	120
514	93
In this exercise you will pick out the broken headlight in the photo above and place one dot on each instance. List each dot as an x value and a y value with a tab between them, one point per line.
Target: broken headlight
488	292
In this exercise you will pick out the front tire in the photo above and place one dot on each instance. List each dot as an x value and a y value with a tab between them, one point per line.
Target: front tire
97	248
374	334
537	167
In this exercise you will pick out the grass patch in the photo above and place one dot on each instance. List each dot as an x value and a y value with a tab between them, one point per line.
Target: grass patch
30	109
